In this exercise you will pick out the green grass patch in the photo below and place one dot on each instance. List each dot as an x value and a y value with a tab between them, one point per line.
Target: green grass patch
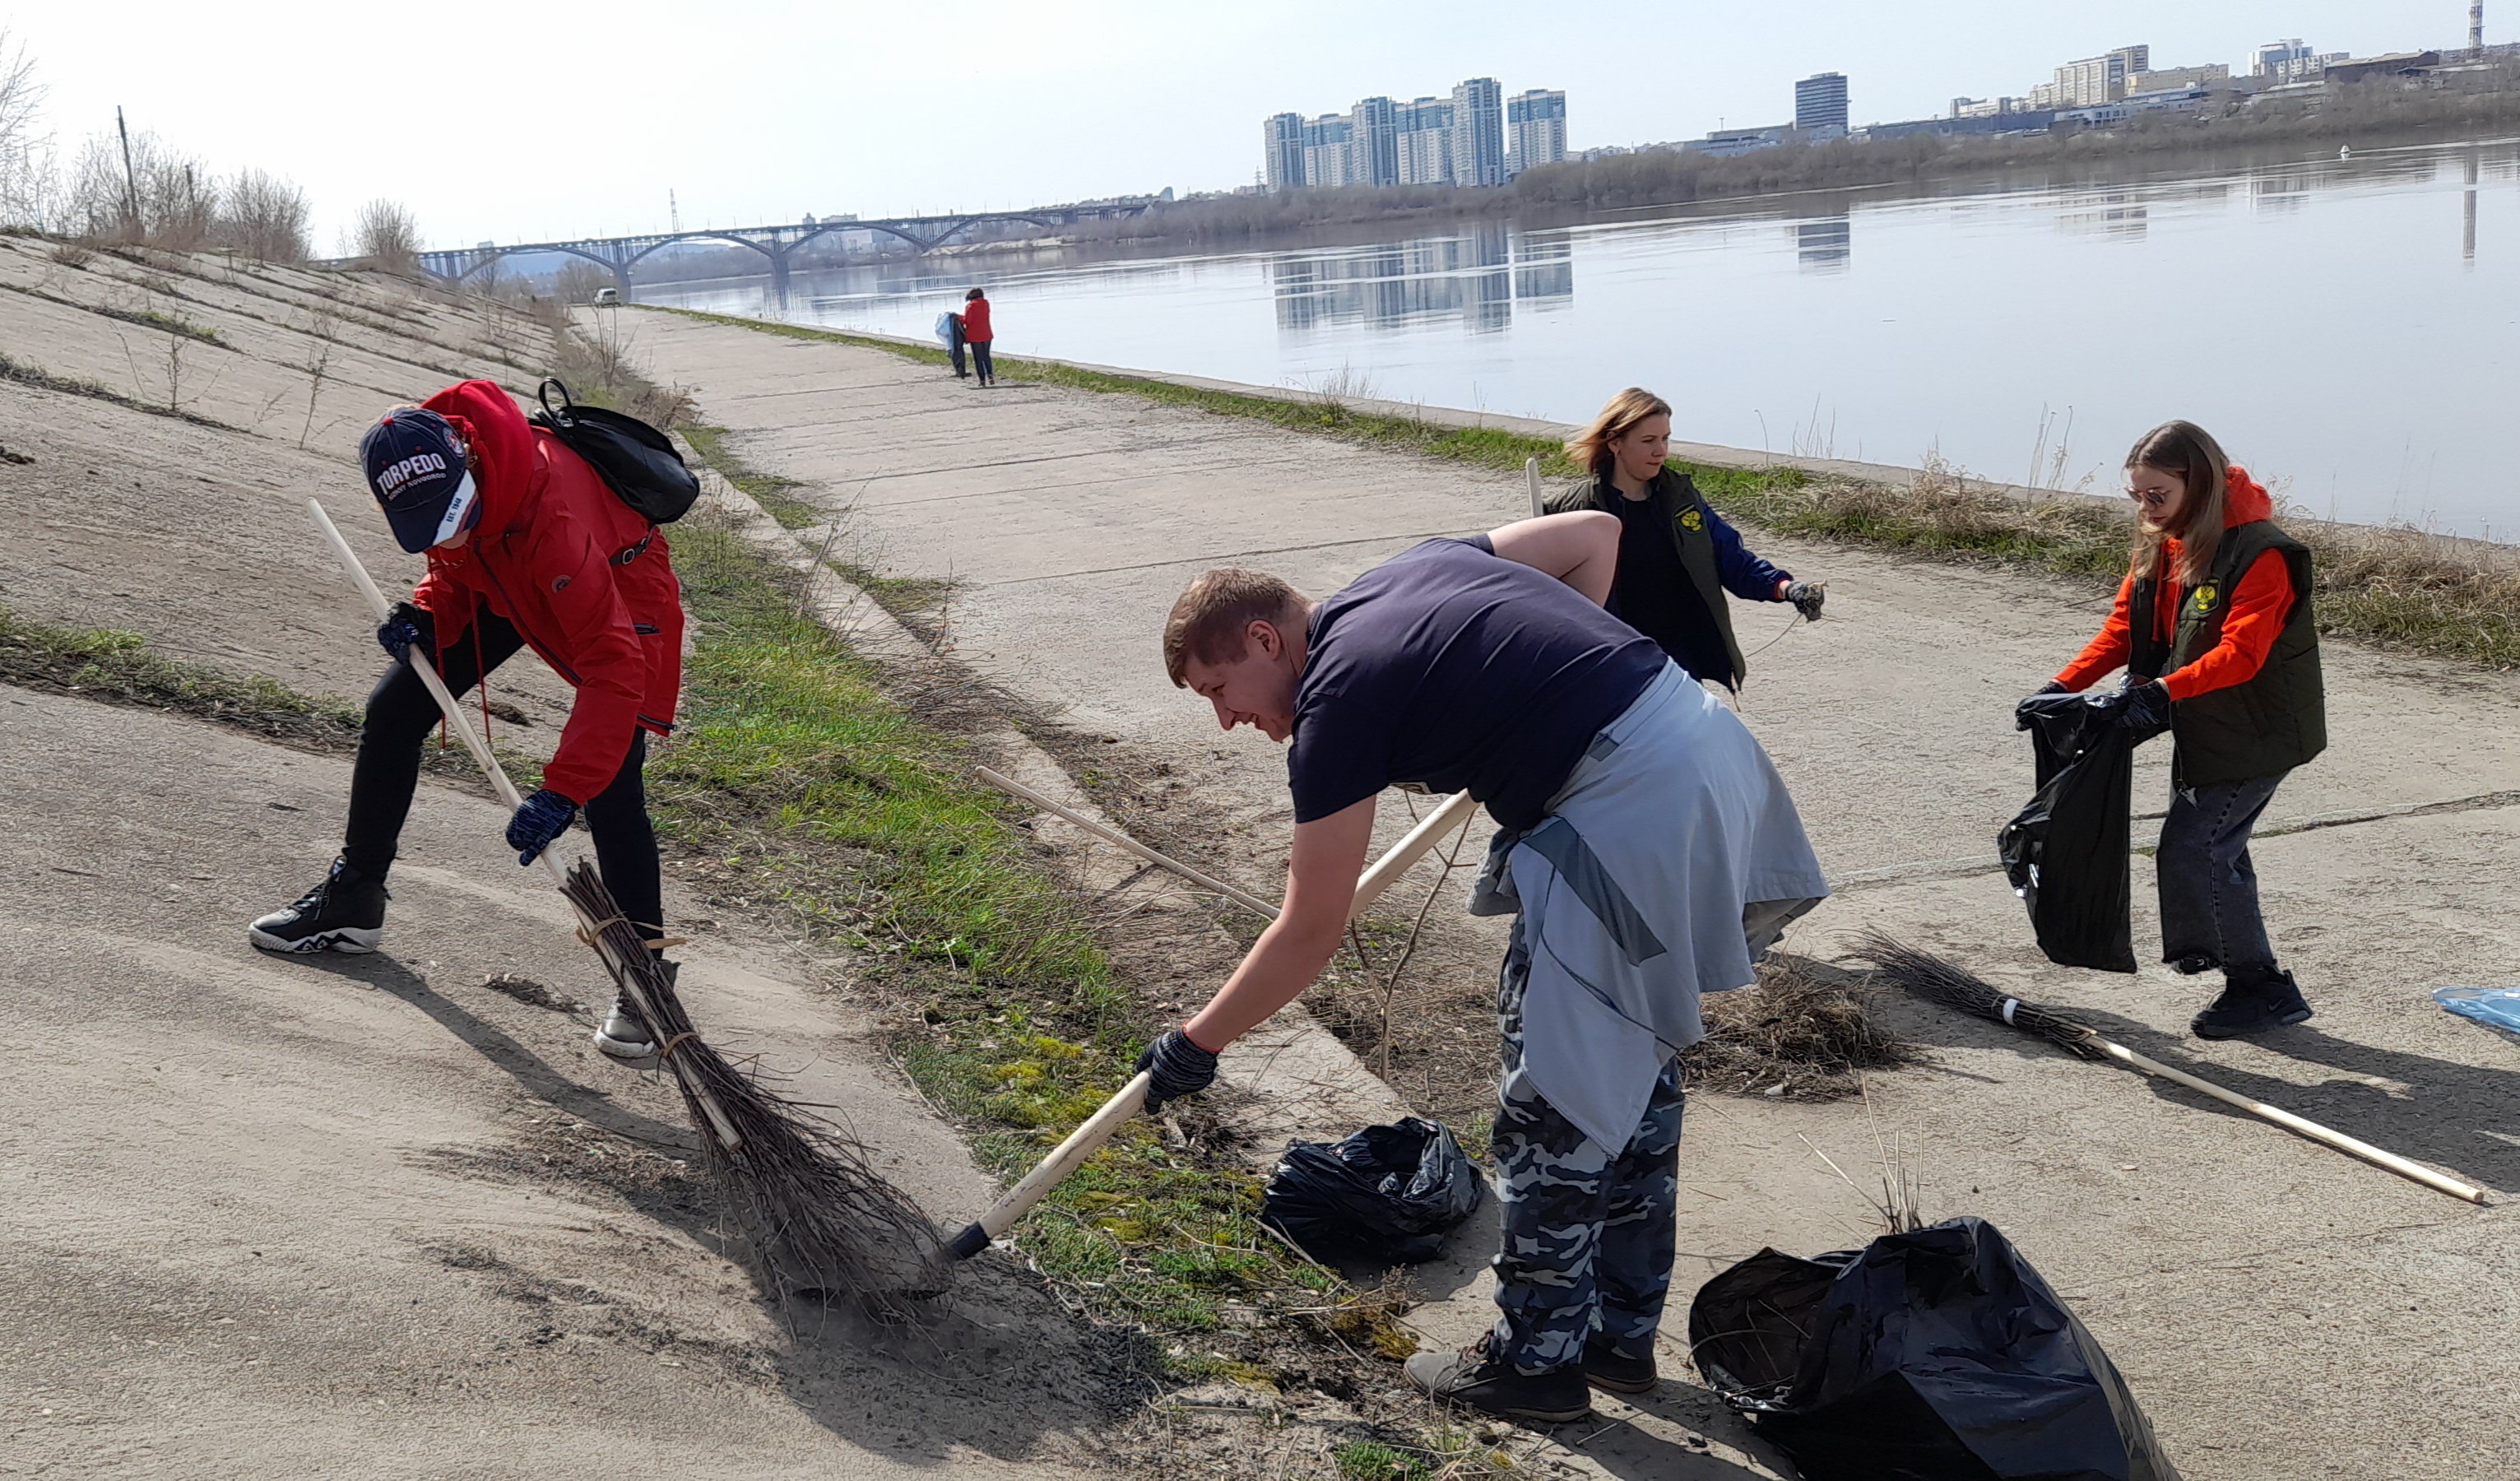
153	319
119	667
901	596
769	490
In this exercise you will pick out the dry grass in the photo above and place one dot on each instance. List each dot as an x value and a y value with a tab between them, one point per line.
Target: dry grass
1806	1029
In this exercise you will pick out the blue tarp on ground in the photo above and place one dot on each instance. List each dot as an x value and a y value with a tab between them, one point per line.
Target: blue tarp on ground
2499	1006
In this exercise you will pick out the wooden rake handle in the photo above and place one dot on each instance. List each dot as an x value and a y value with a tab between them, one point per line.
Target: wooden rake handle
1101	1127
507	791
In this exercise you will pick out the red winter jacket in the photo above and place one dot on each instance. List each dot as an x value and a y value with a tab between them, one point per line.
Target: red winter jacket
546	553
976	322
2259	604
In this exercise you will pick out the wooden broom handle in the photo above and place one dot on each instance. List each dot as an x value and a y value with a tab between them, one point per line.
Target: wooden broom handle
2301	1125
1103	1124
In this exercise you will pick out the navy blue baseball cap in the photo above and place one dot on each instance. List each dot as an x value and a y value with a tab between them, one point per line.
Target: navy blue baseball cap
415	469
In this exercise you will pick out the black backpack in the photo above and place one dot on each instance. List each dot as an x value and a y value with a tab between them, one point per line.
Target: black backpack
636	461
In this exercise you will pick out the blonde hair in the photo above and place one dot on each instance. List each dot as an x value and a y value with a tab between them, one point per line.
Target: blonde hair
2189	453
1591	447
1209	618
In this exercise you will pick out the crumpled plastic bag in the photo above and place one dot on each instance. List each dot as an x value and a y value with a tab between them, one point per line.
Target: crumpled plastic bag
1936	1355
1388	1194
2067	852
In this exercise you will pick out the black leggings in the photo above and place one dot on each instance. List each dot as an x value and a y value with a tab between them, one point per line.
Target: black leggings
982	362
400	716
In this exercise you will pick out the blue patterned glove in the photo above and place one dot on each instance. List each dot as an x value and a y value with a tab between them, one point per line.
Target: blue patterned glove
1806	598
405	626
1179	1068
2146	710
539	819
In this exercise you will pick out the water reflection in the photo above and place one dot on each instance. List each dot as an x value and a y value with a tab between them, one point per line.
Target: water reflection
2467	220
2114	213
1475	276
1826	245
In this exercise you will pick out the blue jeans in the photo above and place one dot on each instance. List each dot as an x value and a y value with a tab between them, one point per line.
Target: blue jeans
2208	888
982	362
1589	1231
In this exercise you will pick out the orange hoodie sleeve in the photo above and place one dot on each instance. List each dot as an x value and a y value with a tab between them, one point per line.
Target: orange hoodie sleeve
2260	605
2108	652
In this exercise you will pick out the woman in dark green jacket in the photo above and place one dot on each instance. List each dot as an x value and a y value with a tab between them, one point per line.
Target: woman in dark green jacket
1677	556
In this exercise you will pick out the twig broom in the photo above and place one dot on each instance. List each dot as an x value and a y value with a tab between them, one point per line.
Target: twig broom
1936	980
821	1219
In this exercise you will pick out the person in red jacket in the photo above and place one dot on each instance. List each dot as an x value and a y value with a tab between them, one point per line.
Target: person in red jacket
2213	626
978	333
527	548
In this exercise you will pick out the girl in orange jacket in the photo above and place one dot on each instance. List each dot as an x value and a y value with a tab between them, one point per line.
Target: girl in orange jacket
2213	625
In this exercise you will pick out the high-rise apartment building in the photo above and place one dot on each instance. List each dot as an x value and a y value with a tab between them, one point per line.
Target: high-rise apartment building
1478	132
2273	56
1425	141
1373	138
1281	151
1327	155
1819	103
2094	80
1535	129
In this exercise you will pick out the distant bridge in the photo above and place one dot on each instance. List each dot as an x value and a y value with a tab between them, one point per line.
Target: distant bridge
775	242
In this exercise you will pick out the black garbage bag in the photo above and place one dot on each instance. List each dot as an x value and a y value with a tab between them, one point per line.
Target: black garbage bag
2067	852
1937	1355
1388	1194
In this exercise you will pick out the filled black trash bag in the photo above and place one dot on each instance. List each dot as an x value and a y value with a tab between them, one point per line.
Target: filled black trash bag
2067	852
1388	1194
1938	1355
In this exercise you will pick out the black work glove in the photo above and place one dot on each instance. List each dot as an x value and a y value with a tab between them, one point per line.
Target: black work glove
1806	599
405	626
1178	1066
2144	709
539	819
2021	711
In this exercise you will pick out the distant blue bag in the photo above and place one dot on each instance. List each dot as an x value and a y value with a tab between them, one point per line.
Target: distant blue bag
2494	1007
945	328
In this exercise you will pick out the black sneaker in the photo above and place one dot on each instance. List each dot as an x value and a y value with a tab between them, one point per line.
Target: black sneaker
1605	1366
2252	1000
346	912
625	1034
1478	1379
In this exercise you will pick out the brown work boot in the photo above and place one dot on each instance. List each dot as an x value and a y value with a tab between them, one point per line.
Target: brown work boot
1478	1378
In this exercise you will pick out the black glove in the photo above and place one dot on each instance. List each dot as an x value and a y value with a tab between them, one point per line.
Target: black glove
1806	599
2144	709
405	626
1179	1068
2021	711
539	819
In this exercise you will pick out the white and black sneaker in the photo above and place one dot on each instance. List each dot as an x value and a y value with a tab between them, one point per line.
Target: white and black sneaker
346	912
625	1034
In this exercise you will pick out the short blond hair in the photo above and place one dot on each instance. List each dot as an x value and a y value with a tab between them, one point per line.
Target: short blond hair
1591	447
1210	616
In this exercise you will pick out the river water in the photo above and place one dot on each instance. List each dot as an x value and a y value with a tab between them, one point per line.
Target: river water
2345	327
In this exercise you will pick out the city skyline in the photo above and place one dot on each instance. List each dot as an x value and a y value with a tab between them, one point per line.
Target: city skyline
828	93
1476	136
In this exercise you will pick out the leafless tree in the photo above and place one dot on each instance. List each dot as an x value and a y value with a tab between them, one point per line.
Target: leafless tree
25	165
264	217
386	235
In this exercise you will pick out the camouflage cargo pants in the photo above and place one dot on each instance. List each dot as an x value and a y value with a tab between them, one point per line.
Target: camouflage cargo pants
1589	1230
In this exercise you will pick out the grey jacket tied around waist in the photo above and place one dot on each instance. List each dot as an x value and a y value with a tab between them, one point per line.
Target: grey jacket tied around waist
1672	838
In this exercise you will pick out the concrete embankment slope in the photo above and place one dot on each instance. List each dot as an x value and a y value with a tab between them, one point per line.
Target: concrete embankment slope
2282	1311
375	1216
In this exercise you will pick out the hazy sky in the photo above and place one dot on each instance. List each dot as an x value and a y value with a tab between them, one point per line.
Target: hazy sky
536	122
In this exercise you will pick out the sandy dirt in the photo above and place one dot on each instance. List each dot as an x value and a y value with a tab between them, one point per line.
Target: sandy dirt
385	1215
2282	1310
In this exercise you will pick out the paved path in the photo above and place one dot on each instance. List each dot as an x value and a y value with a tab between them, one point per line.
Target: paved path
2282	1312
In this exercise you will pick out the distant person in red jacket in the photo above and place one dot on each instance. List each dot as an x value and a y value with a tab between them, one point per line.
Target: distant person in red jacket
527	548
976	332
2213	626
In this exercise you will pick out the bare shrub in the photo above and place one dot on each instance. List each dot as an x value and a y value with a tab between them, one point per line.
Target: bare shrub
264	217
24	168
387	236
578	280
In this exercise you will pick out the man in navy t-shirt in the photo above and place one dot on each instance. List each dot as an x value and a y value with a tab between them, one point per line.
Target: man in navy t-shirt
1641	811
